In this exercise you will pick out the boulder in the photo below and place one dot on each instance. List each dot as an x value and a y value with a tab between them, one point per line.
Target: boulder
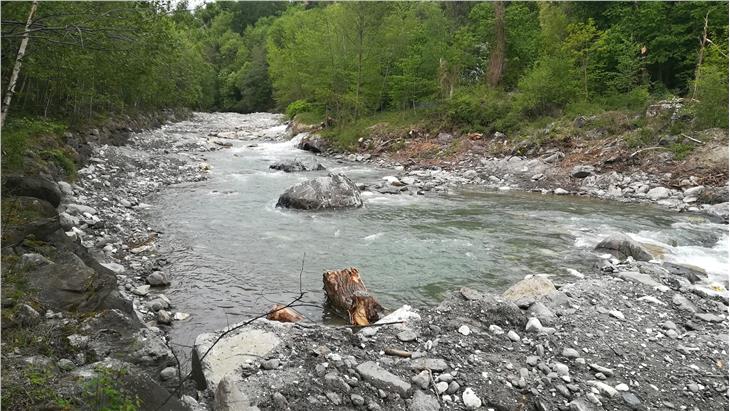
26	216
315	144
244	346
330	192
529	290
622	246
31	186
582	171
713	195
492	309
291	166
658	193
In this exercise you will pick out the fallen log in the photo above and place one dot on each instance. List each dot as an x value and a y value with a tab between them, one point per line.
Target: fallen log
347	294
283	314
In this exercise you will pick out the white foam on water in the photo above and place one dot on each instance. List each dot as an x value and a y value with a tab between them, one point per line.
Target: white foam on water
373	236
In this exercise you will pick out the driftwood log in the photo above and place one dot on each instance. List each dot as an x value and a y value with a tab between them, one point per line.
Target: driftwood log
283	314
347	294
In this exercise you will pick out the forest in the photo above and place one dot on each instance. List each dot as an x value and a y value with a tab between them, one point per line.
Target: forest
491	66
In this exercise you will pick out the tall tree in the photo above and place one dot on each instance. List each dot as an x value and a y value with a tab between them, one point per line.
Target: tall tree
497	56
18	63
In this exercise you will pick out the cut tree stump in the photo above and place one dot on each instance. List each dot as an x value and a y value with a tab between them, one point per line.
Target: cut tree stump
283	314
347	294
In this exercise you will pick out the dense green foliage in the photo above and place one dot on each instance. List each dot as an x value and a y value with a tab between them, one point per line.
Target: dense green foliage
349	60
89	58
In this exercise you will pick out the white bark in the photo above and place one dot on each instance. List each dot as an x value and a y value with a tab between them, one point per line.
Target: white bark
18	62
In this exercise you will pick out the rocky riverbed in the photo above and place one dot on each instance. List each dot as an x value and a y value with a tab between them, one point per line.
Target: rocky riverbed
627	335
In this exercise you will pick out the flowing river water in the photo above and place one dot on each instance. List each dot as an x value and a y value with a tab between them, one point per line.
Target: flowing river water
233	253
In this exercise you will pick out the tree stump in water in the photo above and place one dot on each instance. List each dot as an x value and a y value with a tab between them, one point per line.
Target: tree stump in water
283	314
346	293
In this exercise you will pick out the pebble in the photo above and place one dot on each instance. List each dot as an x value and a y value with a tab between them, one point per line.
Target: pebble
570	353
533	325
496	330
603	388
357	400
631	400
65	364
512	335
442	386
168	373
453	387
464	330
407	336
617	314
422	379
470	399
621	387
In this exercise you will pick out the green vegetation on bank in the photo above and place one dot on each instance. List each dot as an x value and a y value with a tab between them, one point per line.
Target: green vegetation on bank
467	66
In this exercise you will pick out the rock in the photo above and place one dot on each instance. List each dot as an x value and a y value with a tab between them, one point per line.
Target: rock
142	290
65	364
658	193
603	370
31	186
80	209
314	143
168	374
580	404
512	335
271	364
470	399
570	353
380	378
496	330
422	379
622	246
334	397
333	191
530	289
710	318
357	400
164	317
241	346
631	400
26	316
441	387
444	138
640	278
433	364
544	314
464	330
158	278
561	369
65	188
291	166
560	191
229	398
603	388
67	221
407	335
32	261
720	210
423	402
533	325
38	218
582	171
114	267
621	387
617	314
683	303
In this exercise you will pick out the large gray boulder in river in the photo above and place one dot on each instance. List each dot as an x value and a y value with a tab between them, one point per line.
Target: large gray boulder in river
622	246
332	191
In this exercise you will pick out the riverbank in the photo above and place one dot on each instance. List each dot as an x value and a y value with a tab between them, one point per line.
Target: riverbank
104	213
74	271
592	156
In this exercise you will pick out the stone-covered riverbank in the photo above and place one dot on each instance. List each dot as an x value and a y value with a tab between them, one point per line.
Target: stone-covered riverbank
105	326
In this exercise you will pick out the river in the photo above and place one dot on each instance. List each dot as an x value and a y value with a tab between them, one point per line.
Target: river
233	253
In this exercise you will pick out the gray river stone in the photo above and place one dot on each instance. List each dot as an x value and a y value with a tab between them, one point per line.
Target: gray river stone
622	246
383	379
330	192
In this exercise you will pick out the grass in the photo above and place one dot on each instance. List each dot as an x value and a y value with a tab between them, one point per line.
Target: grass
346	135
21	134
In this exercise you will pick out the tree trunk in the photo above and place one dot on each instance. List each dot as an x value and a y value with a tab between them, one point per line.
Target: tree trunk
18	62
496	59
700	57
346	293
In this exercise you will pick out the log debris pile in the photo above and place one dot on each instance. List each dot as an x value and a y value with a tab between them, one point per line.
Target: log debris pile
347	294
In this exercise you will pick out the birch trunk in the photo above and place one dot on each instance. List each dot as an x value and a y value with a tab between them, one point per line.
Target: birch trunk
18	62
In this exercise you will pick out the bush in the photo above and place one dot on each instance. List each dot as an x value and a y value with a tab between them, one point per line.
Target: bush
296	107
634	100
548	87
712	92
480	108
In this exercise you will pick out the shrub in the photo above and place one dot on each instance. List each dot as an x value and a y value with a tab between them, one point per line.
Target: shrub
548	87
712	92
296	107
16	135
479	108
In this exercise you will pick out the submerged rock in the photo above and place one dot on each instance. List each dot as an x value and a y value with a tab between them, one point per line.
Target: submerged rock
292	166
622	246
330	192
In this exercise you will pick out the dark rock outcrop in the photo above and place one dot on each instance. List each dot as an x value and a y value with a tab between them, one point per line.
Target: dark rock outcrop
330	192
32	186
622	246
315	144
